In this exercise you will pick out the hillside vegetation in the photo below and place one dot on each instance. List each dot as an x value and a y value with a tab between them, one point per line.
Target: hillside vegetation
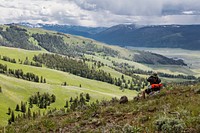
159	113
15	90
46	70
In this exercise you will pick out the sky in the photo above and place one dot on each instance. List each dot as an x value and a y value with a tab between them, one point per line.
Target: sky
104	13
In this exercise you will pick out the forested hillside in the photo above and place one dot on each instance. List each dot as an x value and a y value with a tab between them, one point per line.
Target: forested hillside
160	36
35	39
163	36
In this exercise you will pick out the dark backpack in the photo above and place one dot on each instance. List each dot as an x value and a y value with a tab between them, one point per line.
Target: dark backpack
153	80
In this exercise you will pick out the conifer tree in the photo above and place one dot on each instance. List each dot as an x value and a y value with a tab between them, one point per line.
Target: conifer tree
53	98
66	104
17	107
44	80
12	117
41	79
87	97
71	100
29	113
9	111
30	102
82	99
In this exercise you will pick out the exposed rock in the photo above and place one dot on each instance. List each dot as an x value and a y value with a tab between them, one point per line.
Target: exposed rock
96	122
123	99
197	91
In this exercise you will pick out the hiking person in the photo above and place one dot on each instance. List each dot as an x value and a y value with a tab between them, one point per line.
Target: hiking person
155	85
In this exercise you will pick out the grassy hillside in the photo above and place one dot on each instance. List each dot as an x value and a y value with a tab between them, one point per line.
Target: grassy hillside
17	90
160	113
40	41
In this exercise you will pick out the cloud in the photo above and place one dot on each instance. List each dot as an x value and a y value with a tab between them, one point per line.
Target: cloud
100	12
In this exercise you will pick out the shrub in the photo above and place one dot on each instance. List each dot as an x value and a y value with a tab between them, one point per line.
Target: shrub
131	129
169	125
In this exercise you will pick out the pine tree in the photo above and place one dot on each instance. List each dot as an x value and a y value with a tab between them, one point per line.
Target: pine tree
53	98
82	99
71	100
17	107
12	117
41	79
65	84
131	86
9	111
126	85
29	113
122	77
87	97
44	80
66	104
23	107
30	102
36	79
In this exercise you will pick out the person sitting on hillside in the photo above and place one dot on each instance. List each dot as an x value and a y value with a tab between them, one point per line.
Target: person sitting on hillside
155	85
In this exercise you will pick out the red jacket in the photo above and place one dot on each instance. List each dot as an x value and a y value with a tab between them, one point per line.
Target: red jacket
153	86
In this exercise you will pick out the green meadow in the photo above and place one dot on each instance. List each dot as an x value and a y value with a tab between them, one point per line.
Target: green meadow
17	90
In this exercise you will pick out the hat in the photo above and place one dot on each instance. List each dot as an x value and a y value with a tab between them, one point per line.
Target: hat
155	75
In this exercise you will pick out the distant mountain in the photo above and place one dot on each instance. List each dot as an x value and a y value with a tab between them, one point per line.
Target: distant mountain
160	36
69	29
172	36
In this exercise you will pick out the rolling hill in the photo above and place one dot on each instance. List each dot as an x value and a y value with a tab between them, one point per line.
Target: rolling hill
37	39
25	46
16	90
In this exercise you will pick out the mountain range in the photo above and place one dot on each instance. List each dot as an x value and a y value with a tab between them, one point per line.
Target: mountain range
160	36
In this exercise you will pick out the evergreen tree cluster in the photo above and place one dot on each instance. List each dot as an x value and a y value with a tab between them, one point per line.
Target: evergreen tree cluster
55	43
41	100
8	59
76	67
24	115
52	43
137	83
3	68
27	62
18	108
18	73
78	102
129	70
14	36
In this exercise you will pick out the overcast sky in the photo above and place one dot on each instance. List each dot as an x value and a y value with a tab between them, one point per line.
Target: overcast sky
100	12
